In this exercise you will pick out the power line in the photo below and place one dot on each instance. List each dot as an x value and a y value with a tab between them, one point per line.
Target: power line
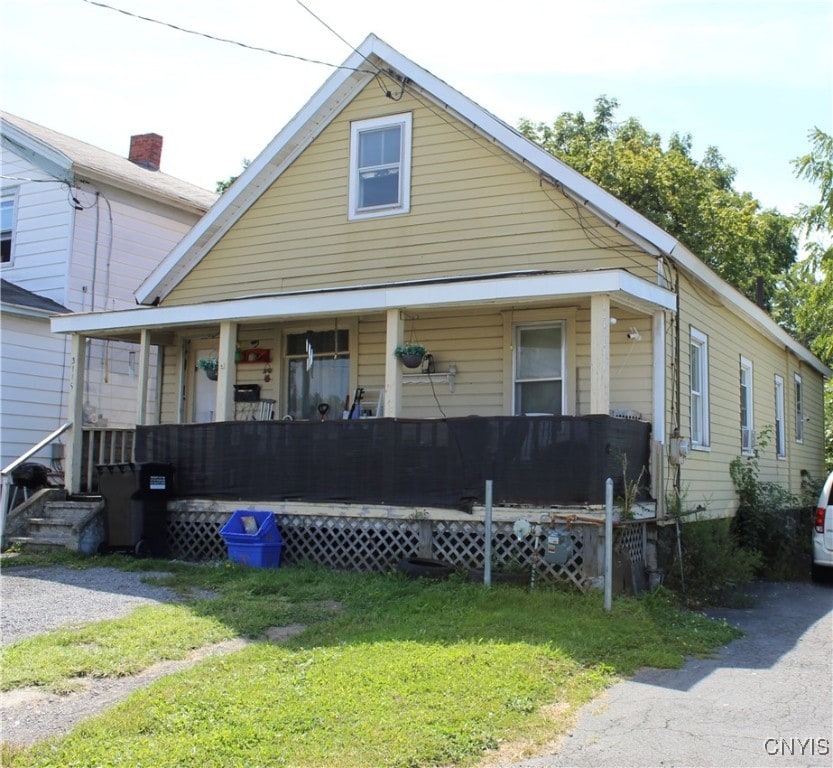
223	39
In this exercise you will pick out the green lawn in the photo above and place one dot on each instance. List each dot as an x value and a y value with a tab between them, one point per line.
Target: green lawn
389	672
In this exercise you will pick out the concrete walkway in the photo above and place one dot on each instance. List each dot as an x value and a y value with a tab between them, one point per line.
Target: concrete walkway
764	700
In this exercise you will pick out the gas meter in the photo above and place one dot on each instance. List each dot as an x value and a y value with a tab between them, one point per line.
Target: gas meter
558	546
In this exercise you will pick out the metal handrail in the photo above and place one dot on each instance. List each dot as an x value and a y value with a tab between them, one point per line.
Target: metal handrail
6	472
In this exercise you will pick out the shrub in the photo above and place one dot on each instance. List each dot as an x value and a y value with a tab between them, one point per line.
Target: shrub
712	567
770	521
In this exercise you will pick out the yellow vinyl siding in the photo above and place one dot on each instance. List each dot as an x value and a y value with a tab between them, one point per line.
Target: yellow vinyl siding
474	210
705	474
170	388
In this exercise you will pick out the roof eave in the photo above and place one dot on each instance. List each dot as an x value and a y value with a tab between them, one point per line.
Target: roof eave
50	160
316	114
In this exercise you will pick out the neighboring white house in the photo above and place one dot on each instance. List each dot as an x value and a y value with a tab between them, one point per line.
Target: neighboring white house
80	230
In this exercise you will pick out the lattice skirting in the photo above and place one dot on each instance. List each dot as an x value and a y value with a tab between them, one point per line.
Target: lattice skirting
372	544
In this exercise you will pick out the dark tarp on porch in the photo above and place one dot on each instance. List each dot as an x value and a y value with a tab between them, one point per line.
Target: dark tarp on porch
544	460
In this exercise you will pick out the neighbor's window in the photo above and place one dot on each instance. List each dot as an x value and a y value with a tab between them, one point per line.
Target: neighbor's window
780	431
747	427
539	369
6	228
799	408
699	374
318	371
380	166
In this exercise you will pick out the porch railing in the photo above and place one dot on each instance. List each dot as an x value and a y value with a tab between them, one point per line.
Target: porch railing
105	445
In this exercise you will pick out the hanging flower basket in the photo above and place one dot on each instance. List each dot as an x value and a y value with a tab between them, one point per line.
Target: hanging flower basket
209	365
410	355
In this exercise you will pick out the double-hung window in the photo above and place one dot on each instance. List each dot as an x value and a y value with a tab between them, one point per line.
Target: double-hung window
6	227
780	427
747	425
380	166
699	374
539	369
799	408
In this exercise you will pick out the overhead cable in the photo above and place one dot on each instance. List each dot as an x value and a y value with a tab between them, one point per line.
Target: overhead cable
221	39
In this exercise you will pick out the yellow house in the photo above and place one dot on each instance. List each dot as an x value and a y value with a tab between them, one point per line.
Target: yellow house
390	210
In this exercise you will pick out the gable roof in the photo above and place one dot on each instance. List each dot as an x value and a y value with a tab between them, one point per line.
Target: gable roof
20	301
71	160
375	56
372	57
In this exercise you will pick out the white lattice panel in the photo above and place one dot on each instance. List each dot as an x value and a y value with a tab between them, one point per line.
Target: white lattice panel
370	544
631	539
196	535
348	544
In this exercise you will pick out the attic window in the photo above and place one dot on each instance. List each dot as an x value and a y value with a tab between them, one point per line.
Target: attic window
6	228
380	166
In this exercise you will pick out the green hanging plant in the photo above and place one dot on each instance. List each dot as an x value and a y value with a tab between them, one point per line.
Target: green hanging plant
209	365
410	354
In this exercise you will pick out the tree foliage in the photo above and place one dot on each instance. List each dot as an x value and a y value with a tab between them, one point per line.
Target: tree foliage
692	200
809	285
806	305
222	186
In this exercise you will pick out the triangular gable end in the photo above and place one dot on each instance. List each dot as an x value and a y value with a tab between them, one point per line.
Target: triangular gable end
334	95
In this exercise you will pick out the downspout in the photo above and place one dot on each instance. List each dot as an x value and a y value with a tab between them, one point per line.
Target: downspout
677	398
88	356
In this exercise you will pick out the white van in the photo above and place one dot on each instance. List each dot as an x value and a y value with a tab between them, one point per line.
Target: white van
823	533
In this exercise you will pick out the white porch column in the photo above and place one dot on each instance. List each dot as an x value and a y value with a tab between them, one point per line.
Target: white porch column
393	370
658	418
600	353
658	415
75	449
143	373
227	372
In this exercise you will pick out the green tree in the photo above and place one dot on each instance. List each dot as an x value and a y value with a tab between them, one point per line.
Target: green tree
806	300
692	200
222	186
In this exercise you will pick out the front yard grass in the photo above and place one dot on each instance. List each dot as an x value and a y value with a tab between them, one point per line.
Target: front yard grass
389	672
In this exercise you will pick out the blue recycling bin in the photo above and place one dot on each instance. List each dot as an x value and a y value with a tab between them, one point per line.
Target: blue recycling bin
253	539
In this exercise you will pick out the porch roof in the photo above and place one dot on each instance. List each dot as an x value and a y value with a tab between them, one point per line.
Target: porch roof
530	286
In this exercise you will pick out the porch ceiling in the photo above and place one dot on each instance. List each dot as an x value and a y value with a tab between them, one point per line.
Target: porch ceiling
520	287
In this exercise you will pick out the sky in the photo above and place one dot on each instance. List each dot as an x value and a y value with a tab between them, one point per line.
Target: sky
750	77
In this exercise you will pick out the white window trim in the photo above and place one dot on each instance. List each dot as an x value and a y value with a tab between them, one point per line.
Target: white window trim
702	341
798	393
780	425
516	329
354	213
11	193
749	427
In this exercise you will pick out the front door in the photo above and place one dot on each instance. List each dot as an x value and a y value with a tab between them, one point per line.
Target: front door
205	389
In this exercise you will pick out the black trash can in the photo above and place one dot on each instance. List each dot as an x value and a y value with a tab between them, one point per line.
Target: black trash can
125	523
155	487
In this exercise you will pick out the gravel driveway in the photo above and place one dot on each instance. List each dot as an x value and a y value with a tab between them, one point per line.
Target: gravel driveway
34	600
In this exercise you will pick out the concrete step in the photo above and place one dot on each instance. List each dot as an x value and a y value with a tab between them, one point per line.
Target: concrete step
64	524
41	543
71	509
44	525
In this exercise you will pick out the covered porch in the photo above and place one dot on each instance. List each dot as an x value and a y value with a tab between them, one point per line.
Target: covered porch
414	462
611	358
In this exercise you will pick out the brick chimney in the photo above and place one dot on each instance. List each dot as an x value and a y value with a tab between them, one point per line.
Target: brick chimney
146	150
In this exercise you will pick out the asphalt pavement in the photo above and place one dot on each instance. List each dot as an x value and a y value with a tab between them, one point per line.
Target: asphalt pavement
763	700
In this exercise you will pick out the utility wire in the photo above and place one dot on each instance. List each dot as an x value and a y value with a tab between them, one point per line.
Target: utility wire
222	39
377	74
